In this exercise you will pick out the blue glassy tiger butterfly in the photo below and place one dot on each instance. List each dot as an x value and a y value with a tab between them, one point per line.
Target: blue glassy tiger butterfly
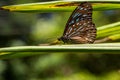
80	28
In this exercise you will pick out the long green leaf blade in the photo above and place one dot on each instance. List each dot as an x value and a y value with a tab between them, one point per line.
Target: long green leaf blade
66	48
56	6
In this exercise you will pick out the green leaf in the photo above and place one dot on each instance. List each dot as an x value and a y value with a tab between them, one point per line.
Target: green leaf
23	51
59	6
65	48
109	30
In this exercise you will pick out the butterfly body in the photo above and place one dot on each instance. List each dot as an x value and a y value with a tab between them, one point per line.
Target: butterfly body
80	28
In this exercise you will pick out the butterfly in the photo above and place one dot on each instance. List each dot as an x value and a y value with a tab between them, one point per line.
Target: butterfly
80	28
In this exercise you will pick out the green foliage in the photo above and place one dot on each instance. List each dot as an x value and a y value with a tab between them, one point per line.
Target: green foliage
58	6
84	61
108	30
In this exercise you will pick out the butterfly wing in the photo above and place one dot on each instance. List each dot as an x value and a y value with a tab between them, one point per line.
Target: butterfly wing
83	32
83	11
80	28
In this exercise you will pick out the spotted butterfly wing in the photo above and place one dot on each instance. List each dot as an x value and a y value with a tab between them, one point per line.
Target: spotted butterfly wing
80	28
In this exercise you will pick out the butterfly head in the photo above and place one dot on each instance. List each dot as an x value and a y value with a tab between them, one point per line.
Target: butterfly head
64	39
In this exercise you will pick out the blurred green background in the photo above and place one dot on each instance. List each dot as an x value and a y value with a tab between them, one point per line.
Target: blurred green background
19	29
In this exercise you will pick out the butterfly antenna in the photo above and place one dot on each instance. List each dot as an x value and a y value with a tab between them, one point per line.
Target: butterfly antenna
55	42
